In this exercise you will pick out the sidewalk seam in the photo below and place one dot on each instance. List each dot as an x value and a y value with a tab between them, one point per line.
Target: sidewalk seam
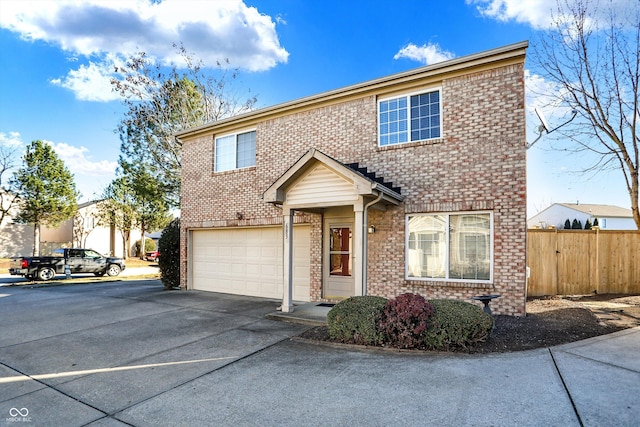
566	388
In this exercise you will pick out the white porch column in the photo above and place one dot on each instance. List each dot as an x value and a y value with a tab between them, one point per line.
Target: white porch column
287	259
358	246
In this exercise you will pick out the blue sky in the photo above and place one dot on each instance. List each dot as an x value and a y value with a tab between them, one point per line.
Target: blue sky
56	58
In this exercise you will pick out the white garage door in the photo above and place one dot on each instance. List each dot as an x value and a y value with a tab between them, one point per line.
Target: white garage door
248	261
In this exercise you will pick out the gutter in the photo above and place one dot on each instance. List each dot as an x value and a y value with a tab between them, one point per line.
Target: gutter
365	241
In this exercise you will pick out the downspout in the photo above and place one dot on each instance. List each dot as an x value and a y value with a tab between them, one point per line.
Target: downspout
365	241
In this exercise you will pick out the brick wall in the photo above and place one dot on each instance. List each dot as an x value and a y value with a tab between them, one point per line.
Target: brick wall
478	164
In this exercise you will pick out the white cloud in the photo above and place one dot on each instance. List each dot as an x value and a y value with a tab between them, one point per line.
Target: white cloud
11	140
427	54
539	14
546	96
90	83
100	30
76	159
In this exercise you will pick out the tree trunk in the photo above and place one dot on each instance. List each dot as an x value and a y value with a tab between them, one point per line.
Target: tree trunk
142	242
36	239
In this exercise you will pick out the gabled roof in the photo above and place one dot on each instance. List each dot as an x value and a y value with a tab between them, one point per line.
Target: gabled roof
608	211
365	183
89	203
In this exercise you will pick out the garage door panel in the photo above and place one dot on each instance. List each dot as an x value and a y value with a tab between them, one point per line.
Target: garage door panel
248	261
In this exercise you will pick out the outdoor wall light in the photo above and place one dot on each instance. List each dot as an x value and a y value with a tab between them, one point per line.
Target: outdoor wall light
372	229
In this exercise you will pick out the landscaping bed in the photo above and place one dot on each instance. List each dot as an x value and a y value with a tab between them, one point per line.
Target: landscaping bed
550	321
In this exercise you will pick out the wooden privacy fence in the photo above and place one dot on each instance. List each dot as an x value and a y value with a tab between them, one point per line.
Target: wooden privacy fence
578	262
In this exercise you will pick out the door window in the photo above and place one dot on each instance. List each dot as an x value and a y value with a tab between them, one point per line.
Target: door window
340	251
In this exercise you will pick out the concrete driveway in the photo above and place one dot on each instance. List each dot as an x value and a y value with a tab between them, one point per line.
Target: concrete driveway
129	353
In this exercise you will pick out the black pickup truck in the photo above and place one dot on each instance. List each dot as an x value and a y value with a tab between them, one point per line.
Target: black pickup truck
78	260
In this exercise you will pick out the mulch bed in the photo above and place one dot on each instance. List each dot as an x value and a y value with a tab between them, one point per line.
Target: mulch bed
549	322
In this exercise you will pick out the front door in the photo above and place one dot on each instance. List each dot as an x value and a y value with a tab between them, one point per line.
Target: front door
338	265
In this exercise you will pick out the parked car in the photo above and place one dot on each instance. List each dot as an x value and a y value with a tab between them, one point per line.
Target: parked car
152	256
77	260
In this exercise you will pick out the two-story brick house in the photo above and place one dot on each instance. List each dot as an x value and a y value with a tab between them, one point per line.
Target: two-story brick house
415	182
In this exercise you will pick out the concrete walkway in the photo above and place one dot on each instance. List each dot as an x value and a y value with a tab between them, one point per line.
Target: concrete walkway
129	353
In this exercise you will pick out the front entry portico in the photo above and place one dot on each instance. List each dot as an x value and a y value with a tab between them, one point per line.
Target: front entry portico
320	184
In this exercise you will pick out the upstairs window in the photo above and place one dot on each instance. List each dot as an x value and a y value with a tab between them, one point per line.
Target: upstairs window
409	118
235	151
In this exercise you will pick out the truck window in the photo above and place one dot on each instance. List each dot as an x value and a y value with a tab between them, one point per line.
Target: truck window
92	254
75	253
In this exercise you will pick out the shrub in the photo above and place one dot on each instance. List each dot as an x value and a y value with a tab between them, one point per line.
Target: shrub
354	320
457	324
169	261
405	320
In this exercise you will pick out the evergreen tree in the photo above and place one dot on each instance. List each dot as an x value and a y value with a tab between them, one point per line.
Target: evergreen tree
575	225
169	261
46	189
567	224
587	225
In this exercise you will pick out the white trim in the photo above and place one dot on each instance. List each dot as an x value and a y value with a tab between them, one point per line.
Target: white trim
448	279
408	96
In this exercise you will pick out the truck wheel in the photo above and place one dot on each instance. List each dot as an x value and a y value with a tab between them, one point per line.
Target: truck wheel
113	270
46	273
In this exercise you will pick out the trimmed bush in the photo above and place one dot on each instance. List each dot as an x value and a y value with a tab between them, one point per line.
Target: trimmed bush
405	320
169	261
354	320
457	324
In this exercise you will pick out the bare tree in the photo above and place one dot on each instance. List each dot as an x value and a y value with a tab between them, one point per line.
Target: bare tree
159	104
8	195
594	64
83	225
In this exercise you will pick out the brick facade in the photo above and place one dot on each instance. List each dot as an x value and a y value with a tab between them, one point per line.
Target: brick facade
479	164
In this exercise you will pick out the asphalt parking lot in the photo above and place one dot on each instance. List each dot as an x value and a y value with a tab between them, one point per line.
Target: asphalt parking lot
129	353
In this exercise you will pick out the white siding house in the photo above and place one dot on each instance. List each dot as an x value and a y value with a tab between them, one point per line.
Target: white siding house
609	217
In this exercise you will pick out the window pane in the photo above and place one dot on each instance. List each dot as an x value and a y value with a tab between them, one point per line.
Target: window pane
470	246
225	153
425	116
393	121
340	251
246	150
427	246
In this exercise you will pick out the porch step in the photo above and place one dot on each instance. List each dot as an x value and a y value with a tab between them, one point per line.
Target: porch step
310	314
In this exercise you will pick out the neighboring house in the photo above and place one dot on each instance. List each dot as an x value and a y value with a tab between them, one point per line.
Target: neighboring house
415	182
84	230
16	240
609	217
155	236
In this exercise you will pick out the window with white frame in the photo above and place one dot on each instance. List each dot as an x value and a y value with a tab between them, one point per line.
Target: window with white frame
235	151
450	246
409	118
